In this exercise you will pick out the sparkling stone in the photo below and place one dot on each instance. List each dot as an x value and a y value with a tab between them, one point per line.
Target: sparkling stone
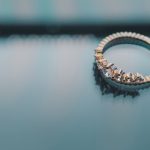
137	74
123	78
99	66
98	49
99	56
116	73
139	78
133	77
118	78
107	72
103	62
128	81
127	77
120	72
107	75
113	67
146	78
104	71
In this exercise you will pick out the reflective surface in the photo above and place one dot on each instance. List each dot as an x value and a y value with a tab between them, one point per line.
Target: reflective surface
49	99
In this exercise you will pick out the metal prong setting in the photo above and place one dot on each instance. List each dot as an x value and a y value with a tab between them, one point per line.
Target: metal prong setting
110	70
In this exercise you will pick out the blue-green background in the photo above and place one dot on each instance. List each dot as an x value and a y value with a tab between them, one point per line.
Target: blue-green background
74	12
49	99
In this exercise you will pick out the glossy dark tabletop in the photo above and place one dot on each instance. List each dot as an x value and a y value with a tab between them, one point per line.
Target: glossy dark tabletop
49	99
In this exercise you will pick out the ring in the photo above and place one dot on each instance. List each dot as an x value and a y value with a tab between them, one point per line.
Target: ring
117	77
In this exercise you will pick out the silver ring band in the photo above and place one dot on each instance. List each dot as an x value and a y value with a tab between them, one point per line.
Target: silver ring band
117	77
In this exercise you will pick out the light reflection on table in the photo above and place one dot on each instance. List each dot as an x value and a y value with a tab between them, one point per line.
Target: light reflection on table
49	99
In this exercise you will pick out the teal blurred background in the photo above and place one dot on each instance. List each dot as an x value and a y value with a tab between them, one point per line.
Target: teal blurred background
74	11
49	99
73	16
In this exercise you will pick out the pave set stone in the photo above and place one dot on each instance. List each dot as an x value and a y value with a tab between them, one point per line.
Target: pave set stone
110	70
